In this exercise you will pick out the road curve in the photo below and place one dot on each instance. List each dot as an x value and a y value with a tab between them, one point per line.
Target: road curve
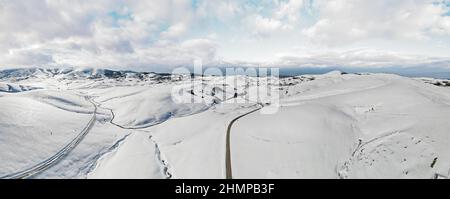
113	116
61	154
229	172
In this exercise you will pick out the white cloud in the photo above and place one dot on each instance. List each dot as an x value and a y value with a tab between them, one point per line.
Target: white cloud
262	26
357	58
169	33
175	31
289	10
99	33
29	22
222	10
26	58
345	21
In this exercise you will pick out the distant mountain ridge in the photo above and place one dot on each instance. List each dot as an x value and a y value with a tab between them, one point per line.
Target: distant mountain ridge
76	73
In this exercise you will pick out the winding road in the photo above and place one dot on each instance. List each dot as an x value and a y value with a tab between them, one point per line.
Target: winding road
229	172
113	116
61	154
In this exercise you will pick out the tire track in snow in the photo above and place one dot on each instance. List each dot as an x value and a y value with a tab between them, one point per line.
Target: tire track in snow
165	168
61	154
360	145
99	156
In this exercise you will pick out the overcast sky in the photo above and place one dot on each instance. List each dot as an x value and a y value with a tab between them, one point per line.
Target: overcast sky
170	33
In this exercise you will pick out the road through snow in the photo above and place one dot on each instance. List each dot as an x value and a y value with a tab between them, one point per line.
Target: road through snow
61	154
229	172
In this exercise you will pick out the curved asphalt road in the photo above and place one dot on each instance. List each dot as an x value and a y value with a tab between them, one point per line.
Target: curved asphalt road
32	171
229	173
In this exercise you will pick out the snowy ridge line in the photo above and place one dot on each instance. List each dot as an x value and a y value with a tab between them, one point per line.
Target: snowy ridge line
40	167
360	145
342	173
121	96
140	127
99	156
163	163
128	128
305	98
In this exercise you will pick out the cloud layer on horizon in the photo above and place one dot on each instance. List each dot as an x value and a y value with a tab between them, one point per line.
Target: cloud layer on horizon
170	33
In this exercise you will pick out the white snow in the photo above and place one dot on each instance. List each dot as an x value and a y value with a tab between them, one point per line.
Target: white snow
31	129
140	107
14	88
327	126
404	122
134	158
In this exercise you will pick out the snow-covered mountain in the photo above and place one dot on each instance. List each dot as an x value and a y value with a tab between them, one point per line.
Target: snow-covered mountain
98	123
78	74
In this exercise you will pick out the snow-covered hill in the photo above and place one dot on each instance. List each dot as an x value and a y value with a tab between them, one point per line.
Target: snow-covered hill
14	88
350	126
334	125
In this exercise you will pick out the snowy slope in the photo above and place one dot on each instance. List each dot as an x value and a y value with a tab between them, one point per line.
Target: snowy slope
402	123
328	126
35	125
196	151
140	107
14	88
32	129
136	157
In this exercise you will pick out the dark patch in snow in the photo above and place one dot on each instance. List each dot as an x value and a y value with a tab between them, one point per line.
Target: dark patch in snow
434	162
